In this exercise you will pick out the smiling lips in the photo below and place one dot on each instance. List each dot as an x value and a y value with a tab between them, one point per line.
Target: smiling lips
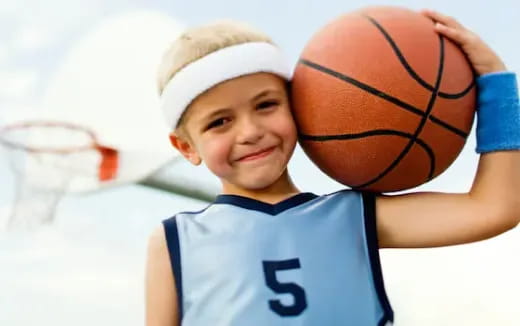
257	155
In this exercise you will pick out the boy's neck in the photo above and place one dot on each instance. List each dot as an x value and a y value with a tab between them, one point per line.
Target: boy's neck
281	189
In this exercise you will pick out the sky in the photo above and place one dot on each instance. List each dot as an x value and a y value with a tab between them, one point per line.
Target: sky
88	266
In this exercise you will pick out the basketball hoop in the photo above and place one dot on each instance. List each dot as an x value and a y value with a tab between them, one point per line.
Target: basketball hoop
49	158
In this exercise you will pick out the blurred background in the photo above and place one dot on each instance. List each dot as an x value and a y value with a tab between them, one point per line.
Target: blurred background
95	59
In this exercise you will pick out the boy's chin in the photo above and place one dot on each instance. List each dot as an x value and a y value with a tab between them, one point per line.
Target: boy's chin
256	182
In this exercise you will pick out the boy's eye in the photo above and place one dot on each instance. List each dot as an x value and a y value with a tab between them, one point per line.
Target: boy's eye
267	104
217	123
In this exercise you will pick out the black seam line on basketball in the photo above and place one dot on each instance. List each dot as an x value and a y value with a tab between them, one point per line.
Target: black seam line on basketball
377	132
459	95
419	127
410	70
380	94
447	126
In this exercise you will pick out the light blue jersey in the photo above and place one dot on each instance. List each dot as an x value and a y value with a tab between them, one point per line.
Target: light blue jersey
307	261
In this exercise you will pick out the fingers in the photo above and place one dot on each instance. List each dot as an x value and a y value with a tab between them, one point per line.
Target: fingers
450	27
457	35
441	18
483	59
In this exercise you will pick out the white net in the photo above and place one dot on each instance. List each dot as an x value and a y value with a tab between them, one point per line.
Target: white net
47	159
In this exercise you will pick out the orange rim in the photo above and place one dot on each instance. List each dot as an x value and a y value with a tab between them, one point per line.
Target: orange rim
108	166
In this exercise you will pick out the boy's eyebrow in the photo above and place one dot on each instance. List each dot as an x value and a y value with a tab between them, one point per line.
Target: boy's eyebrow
264	93
214	113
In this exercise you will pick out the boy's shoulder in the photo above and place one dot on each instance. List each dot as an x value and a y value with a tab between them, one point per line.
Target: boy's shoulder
172	219
342	192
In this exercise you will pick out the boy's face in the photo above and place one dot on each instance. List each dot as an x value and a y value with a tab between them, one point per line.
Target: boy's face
242	129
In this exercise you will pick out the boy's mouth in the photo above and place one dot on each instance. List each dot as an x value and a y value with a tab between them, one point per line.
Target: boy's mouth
257	155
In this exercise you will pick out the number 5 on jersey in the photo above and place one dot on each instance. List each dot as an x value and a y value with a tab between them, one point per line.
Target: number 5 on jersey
298	293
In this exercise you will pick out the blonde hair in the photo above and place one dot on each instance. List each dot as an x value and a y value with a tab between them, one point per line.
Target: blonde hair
198	42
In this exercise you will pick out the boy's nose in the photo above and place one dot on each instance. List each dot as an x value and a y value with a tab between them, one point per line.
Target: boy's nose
250	131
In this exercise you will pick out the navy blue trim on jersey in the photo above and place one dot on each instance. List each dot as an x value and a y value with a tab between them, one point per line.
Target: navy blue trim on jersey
196	212
369	206
172	240
271	209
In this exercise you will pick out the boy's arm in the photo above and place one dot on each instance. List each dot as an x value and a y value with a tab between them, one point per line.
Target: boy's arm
437	219
161	298
491	207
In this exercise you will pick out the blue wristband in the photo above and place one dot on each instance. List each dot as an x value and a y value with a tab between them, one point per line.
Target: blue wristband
498	113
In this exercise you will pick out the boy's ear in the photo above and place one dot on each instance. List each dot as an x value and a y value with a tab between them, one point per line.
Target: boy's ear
186	148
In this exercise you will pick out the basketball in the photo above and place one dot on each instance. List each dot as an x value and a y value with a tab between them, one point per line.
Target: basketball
382	102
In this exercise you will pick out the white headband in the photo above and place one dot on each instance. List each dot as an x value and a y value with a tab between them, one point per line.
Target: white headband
215	68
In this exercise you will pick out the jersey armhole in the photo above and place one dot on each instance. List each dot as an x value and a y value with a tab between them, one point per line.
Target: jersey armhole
369	214
172	240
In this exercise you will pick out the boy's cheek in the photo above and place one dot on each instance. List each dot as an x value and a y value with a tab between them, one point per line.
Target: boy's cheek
217	157
283	121
288	129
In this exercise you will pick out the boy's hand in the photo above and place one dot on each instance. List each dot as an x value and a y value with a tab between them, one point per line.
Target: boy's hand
481	56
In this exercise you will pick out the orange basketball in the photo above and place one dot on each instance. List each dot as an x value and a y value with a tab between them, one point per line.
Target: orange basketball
383	102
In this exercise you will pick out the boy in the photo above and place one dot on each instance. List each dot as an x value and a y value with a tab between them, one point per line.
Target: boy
263	253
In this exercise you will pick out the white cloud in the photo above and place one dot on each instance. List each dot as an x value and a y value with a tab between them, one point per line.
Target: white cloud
58	16
5	212
63	277
17	84
31	25
32	37
458	285
14	111
4	54
9	8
